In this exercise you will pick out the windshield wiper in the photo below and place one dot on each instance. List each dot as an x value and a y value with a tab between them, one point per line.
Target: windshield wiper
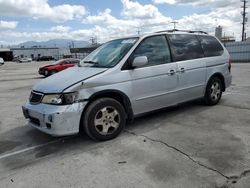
91	62
96	64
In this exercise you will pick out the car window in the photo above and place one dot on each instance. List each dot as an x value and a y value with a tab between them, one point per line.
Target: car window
156	49
66	62
211	46
74	61
185	47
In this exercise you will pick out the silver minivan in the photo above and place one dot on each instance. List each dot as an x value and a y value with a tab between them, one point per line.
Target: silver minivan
128	77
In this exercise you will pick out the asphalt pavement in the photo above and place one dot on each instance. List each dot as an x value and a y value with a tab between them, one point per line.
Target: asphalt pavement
189	146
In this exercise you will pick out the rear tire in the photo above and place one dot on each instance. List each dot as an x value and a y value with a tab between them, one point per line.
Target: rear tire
104	119
213	91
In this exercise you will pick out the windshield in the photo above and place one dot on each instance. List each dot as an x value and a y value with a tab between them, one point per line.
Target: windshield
56	62
109	54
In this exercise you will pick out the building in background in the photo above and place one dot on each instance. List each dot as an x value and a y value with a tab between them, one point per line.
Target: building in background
36	52
6	54
218	32
82	52
226	39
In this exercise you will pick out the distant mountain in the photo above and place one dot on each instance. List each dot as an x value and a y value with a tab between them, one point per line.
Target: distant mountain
60	43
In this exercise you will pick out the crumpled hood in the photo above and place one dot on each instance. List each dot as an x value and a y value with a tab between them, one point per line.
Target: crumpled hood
64	79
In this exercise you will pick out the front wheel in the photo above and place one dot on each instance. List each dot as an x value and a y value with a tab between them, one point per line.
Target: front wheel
104	119
53	72
46	73
213	91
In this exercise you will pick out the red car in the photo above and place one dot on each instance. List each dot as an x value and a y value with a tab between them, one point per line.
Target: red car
57	66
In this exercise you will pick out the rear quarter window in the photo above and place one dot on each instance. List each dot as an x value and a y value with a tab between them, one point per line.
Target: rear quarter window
185	47
211	46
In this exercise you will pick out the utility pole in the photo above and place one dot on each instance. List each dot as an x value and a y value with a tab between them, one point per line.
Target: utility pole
174	22
93	41
138	31
244	19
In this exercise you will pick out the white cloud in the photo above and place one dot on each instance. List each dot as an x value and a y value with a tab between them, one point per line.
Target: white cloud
7	25
134	16
15	37
208	3
60	29
41	9
134	9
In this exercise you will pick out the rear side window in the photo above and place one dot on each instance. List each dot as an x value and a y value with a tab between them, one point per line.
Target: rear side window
185	47
211	46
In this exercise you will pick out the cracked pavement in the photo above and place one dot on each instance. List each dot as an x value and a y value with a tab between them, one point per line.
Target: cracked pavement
189	145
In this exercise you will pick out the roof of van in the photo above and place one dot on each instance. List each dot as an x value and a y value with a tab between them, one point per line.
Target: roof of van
188	32
175	31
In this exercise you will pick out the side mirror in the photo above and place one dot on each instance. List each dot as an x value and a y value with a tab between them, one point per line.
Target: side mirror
140	61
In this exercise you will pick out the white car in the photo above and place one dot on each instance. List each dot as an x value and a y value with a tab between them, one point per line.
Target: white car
25	60
1	61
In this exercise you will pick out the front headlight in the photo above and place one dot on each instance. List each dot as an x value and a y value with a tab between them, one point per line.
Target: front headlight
60	99
52	99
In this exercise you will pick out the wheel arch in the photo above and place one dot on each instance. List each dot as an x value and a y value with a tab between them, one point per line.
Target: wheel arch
114	94
221	77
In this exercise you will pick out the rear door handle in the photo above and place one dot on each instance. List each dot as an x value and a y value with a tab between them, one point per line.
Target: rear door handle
171	72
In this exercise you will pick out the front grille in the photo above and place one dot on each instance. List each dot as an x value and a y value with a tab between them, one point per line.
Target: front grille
35	98
34	121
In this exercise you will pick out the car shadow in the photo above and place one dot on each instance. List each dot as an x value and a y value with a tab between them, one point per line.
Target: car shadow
24	137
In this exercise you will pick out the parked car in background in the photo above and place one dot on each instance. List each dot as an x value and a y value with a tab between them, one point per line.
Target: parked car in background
25	60
16	59
45	58
58	66
1	61
128	77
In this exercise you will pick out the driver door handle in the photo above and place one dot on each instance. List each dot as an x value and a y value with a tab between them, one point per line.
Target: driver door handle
171	72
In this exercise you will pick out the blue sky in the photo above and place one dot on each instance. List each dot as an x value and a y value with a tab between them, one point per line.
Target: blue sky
95	6
80	19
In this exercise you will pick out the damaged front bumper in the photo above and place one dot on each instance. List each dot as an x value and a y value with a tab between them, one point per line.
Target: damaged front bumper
56	120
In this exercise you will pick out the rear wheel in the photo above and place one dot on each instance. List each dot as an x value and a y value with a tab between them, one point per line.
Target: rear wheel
104	119
213	91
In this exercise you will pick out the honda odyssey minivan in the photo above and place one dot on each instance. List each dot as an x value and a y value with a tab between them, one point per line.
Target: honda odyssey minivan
128	77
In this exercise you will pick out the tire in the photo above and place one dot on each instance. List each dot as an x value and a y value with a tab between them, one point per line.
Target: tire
213	91
53	72
46	73
104	119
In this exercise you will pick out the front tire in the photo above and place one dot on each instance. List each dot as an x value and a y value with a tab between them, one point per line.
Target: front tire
53	72
104	119
213	91
46	73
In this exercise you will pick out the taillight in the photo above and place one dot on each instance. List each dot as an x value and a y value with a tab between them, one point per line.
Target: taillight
229	65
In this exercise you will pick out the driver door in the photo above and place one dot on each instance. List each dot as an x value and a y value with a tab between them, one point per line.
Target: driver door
154	85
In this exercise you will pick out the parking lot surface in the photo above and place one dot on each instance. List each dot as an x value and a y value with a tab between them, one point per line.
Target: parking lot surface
189	145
